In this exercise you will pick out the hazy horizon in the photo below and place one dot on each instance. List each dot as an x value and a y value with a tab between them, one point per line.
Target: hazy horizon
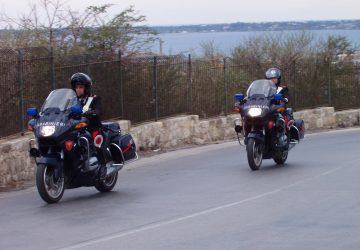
202	12
284	21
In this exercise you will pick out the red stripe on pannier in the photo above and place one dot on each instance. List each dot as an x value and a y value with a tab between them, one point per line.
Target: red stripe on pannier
128	147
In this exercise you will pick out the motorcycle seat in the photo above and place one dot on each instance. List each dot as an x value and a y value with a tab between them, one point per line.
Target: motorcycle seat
113	126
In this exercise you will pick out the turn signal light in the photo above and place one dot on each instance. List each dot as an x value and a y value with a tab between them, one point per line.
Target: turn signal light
30	128
69	145
280	110
81	125
270	124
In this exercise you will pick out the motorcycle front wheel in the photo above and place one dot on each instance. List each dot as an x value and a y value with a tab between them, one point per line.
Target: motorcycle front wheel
254	153
50	190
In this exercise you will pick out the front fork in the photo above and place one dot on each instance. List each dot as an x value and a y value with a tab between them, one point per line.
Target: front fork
241	134
52	160
281	131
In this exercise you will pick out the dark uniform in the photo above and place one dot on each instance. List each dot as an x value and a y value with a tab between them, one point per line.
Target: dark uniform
287	113
95	110
94	113
276	73
92	109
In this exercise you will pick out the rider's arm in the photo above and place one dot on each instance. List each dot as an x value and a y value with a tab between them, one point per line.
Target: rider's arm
97	106
285	92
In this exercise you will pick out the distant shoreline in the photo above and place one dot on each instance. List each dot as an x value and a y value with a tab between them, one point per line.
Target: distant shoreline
263	26
235	31
225	41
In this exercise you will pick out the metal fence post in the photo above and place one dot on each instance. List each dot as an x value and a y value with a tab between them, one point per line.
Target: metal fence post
21	83
329	85
294	82
225	88
155	89
87	62
119	55
190	109
52	65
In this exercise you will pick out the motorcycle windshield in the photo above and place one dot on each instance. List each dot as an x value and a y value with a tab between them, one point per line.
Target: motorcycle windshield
61	99
262	87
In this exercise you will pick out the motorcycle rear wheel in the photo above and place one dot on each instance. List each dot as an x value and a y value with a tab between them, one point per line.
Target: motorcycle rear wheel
254	154
50	191
108	184
280	159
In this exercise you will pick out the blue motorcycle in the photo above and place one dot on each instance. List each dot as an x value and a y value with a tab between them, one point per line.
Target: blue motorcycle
266	133
64	147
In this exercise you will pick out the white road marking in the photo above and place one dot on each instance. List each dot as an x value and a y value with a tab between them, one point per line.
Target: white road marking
196	214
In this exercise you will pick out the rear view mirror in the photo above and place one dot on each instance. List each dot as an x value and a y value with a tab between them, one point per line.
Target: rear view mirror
76	110
239	97
33	112
278	97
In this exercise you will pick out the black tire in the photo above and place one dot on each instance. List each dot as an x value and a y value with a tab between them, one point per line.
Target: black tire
108	184
49	191
280	159
254	154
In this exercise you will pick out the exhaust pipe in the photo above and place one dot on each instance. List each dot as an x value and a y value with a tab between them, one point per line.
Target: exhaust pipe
113	168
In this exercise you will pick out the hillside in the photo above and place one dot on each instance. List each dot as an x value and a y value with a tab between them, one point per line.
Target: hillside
263	26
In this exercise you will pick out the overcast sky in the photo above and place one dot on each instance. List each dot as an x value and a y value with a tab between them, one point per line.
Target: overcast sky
169	12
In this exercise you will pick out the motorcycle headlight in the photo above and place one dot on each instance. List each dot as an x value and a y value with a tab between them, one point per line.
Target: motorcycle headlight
254	112
47	130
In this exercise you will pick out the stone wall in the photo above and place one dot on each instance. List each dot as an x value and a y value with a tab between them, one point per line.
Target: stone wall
348	118
16	165
318	118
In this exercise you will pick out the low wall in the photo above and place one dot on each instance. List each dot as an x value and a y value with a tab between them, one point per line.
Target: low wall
16	165
348	118
318	118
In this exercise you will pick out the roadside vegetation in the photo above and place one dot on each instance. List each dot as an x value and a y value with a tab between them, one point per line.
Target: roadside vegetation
40	50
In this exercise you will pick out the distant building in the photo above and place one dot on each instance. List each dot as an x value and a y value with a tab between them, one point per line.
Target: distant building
355	58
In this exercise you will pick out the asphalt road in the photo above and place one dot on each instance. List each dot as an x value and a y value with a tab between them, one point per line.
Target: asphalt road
204	198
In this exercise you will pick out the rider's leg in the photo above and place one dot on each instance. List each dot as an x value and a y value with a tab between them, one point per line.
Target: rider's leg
100	146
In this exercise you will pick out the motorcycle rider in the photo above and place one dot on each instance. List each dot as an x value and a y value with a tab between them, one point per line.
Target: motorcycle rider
274	74
92	109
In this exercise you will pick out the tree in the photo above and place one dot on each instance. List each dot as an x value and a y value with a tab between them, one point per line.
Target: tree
335	46
53	25
276	49
211	52
38	27
120	32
